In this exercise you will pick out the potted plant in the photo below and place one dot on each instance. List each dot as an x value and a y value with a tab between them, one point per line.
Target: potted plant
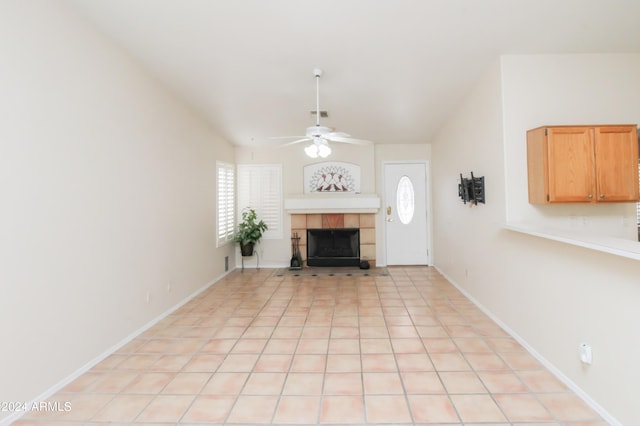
249	231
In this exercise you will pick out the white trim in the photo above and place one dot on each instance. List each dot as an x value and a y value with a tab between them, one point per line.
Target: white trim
552	368
616	246
251	263
70	378
332	203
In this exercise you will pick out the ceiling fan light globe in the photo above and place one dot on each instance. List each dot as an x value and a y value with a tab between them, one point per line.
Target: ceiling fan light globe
324	150
312	151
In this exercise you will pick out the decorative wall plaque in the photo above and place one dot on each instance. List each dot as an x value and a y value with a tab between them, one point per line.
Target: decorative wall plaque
331	176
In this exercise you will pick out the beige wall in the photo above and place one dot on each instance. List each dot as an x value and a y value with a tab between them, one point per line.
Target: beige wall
108	194
552	295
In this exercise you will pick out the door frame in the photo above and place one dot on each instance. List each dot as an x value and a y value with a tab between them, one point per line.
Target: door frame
427	196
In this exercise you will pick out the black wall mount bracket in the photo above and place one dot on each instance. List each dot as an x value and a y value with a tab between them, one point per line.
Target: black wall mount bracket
471	190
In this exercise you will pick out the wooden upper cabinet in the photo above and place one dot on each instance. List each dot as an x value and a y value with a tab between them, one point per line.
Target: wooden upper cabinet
582	164
616	153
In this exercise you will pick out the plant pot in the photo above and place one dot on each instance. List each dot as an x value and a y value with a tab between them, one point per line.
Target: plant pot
246	249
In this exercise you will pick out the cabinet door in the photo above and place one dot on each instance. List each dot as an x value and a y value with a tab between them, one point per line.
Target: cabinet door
616	154
570	164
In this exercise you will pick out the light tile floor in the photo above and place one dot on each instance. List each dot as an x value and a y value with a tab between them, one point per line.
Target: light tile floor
257	348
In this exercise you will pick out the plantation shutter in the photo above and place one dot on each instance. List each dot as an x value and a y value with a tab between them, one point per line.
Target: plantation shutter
260	188
226	202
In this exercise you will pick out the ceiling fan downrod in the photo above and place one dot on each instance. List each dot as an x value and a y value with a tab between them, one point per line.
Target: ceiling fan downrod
320	136
317	72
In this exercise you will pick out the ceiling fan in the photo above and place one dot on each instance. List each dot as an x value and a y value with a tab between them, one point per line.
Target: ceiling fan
320	136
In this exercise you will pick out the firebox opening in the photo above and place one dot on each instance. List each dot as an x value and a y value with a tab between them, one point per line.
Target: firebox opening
333	247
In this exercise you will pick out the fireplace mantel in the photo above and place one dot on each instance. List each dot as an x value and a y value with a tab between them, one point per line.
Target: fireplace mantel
332	203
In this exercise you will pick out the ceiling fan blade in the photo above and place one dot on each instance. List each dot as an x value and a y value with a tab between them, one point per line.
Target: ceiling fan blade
338	134
286	137
318	134
350	140
296	141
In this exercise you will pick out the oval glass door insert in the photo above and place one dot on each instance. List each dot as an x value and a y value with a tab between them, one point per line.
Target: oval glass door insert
405	200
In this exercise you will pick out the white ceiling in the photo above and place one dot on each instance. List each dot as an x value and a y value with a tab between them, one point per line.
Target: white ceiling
393	69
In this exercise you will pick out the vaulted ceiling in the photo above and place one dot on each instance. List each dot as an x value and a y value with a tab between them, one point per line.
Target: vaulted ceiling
393	69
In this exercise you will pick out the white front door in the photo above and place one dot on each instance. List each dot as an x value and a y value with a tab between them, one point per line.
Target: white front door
405	213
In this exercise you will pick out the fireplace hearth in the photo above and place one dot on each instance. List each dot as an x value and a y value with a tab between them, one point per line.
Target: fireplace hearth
333	247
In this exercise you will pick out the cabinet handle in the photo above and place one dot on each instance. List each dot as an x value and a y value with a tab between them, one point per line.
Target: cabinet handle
601	196
590	196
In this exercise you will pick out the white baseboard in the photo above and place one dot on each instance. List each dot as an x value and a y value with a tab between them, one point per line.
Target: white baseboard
552	368
64	382
252	264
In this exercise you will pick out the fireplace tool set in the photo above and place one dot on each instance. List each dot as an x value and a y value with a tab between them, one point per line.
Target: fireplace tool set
296	258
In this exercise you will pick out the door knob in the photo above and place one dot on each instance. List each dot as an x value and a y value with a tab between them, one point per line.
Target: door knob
389	214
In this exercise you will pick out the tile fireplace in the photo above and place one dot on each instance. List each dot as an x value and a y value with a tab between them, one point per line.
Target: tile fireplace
321	223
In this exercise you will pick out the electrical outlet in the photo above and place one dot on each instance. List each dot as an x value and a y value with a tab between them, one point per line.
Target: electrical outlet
169	285
586	354
148	297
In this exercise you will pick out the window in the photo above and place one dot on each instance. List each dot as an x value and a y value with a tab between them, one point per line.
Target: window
260	187
226	201
405	200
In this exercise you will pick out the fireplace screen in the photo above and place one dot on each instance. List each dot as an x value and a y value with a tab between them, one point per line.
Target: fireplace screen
333	247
